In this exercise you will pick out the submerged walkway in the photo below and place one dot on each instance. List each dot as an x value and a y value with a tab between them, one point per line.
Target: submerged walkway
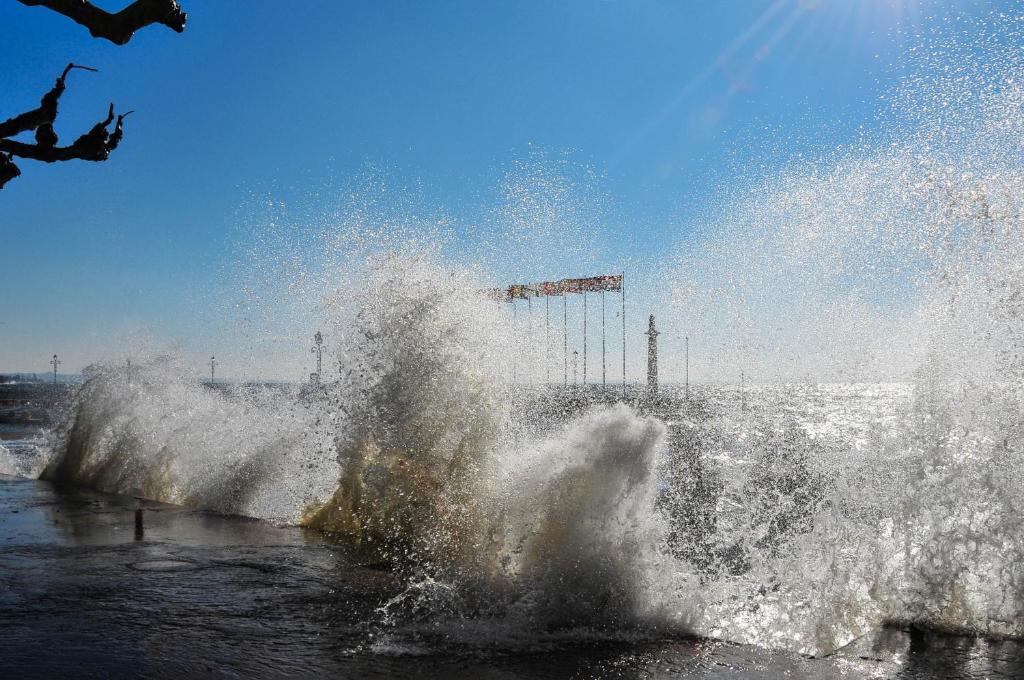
202	595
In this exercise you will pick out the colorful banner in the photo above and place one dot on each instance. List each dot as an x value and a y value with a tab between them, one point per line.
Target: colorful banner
593	284
525	291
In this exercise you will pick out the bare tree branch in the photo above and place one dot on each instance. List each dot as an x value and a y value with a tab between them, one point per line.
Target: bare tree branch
97	143
94	145
118	28
8	170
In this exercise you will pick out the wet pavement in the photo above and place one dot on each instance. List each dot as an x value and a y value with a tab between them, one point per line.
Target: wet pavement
84	594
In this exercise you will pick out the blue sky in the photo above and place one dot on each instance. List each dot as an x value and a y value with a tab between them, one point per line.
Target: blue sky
665	102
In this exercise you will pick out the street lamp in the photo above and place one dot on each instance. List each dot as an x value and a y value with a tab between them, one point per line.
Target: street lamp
213	366
55	362
318	350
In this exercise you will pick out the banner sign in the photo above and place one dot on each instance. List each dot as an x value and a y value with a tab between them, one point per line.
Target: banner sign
592	284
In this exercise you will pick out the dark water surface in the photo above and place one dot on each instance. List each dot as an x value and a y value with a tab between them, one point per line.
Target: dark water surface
203	595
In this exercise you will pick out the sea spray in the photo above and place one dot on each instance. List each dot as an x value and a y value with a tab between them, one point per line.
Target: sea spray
421	364
895	259
578	531
25	458
257	452
815	514
414	457
572	542
440	480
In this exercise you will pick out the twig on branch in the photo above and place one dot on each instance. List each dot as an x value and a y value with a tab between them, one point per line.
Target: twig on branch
118	27
94	145
47	111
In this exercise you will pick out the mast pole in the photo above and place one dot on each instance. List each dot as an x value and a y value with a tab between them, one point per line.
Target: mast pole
622	290
547	338
584	337
565	339
529	334
515	339
604	381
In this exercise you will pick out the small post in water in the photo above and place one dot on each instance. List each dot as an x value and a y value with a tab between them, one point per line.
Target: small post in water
140	531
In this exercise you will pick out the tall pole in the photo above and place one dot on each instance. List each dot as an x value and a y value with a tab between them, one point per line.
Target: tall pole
515	339
622	290
55	362
128	371
604	382
575	365
529	335
213	366
547	338
687	368
584	337
565	340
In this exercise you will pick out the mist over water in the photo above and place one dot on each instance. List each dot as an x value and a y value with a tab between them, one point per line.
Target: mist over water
898	259
800	515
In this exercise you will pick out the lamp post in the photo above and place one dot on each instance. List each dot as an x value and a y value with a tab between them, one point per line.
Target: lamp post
55	362
652	357
743	396
318	350
128	371
213	366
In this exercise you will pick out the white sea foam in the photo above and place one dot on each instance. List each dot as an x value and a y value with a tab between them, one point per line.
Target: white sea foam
24	457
